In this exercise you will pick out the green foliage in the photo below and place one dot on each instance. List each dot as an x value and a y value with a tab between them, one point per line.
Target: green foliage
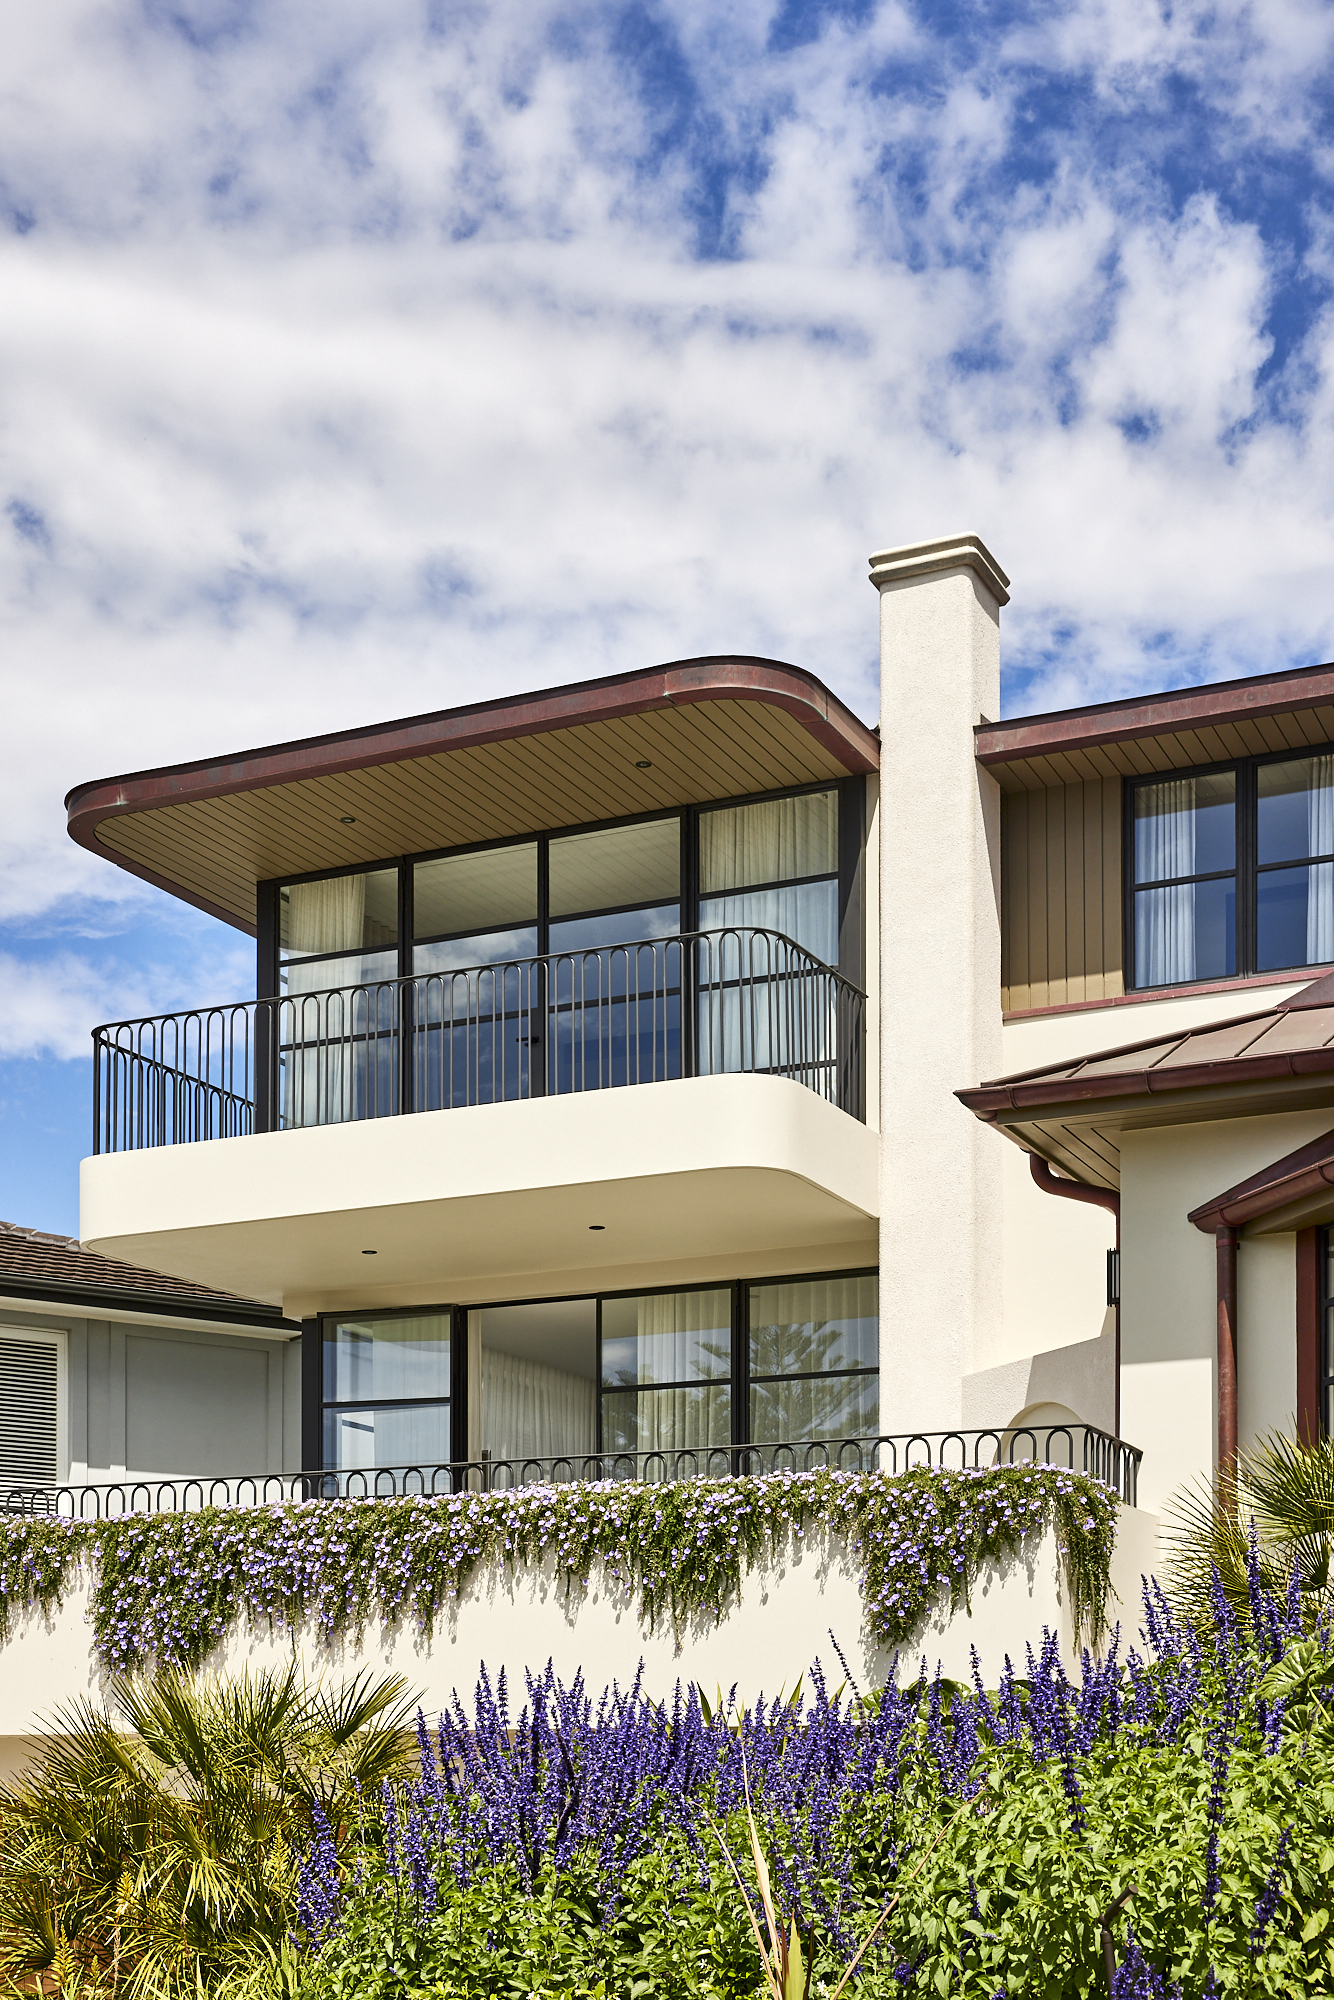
998	1893
1286	1490
168	1588
157	1852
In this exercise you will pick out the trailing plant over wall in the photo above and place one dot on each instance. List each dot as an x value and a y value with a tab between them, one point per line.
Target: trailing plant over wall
168	1587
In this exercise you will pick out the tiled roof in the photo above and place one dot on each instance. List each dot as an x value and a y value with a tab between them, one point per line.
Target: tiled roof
35	1264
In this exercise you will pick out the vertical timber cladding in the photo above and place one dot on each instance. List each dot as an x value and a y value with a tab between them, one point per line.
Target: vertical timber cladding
1061	909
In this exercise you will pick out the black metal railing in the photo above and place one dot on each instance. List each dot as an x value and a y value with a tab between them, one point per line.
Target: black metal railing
1076	1447
740	999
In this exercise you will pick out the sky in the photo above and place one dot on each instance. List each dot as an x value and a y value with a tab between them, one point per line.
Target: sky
356	361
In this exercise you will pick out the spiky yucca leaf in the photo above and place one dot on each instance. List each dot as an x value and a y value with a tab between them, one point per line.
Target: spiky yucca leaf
1287	1490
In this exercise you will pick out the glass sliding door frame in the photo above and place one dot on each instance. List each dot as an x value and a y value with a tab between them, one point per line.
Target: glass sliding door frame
461	1415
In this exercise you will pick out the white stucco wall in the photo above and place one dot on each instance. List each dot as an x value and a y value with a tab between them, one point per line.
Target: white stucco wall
940	1243
706	1177
1169	1295
770	1637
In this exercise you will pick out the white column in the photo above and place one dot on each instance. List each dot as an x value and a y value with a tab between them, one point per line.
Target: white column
940	1018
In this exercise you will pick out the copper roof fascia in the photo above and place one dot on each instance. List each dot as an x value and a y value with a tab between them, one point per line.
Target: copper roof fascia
1211	706
718	678
1294	1177
714	677
991	1099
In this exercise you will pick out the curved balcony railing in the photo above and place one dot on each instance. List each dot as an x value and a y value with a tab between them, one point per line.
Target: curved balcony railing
739	999
1076	1447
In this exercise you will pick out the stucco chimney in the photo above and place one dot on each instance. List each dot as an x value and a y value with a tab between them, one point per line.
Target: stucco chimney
940	1232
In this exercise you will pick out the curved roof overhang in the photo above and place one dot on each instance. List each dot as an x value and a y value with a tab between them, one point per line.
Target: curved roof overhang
642	742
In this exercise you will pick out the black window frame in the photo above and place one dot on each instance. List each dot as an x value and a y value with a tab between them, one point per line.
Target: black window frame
848	874
1246	871
455	1399
738	1380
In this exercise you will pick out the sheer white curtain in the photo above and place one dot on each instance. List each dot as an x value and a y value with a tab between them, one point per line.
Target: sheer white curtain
318	1070
532	1411
683	1336
774	841
1320	879
1165	918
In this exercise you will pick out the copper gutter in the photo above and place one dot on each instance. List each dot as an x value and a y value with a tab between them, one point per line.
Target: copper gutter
1108	1198
1209	707
1226	1243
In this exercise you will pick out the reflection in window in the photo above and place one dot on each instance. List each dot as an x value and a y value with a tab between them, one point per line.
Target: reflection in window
475	909
1295	856
386	1391
1185	879
666	1369
814	1360
615	990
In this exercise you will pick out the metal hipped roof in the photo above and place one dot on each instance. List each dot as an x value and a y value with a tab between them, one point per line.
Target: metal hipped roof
1071	1113
1295	1192
641	742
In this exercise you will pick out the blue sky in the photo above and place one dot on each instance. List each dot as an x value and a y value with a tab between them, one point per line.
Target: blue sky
355	361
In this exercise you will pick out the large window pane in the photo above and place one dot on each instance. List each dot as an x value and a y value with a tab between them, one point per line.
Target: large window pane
1294	916
532	1374
406	1434
805	1337
614	867
379	1359
493	890
667	1419
1295	811
815	1410
1185	827
816	1325
345	913
666	1337
778	840
1186	932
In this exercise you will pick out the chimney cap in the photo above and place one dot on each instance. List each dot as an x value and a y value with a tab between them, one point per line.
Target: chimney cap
916	559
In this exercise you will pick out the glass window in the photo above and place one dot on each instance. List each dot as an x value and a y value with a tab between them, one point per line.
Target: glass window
1185	881
338	932
814	1360
616	868
386	1391
475	909
1294	891
666	1369
532	1376
756	864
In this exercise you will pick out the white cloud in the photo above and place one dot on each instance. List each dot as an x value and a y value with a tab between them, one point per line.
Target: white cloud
351	369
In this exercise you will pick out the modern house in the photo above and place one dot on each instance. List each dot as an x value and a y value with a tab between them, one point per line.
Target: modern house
110	1374
620	1070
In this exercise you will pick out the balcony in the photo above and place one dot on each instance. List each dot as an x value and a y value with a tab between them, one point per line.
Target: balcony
739	1001
1075	1447
476	1135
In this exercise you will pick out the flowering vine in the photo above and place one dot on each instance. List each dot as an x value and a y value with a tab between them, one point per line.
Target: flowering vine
167	1588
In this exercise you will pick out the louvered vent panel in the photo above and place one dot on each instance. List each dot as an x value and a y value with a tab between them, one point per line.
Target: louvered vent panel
28	1443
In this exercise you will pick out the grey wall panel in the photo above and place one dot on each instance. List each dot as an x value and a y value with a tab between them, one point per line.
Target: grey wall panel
195	1406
